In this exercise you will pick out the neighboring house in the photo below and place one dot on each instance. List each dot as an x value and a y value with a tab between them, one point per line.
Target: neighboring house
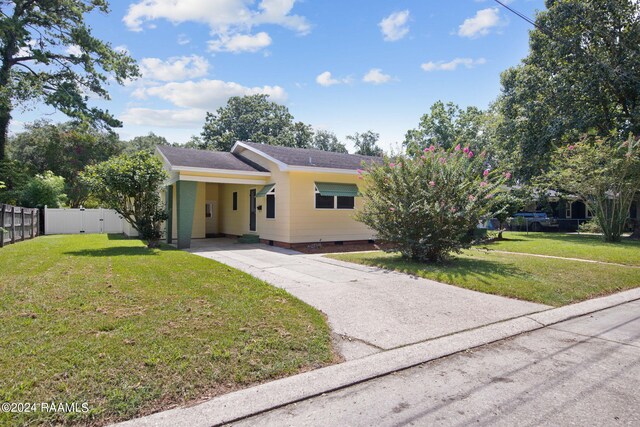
288	197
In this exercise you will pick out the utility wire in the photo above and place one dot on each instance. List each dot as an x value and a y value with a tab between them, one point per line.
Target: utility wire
519	14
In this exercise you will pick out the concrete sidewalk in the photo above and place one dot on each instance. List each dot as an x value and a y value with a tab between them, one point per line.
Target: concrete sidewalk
370	309
335	383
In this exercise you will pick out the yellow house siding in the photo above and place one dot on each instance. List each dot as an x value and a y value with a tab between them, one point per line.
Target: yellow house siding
234	222
311	225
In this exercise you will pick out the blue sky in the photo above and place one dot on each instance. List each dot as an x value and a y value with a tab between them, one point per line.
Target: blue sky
345	66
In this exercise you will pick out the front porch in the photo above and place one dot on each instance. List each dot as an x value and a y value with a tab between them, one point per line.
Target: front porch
198	210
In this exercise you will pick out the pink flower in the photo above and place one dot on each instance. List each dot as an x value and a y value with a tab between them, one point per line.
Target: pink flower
432	148
423	157
360	171
431	183
392	165
472	198
392	209
470	154
486	172
507	175
488	196
457	147
466	150
571	147
443	160
483	184
453	210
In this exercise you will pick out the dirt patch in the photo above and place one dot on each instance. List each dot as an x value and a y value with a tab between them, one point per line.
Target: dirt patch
331	248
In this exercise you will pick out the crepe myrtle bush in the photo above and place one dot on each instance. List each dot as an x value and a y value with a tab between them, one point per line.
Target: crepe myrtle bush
427	205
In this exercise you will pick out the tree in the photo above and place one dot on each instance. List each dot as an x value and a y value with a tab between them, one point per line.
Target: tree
505	205
328	141
366	143
130	184
299	135
145	143
604	174
428	206
48	54
44	190
65	149
15	176
581	75
447	125
247	118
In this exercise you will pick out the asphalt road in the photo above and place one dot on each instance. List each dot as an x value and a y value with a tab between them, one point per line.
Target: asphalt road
583	372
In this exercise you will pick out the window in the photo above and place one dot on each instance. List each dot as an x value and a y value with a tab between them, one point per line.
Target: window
567	213
208	210
346	202
334	202
235	200
324	202
271	204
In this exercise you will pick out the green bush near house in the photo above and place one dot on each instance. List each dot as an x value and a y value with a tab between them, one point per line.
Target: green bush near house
132	330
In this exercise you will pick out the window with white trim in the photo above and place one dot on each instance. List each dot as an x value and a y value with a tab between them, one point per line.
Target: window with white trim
271	203
568	213
333	202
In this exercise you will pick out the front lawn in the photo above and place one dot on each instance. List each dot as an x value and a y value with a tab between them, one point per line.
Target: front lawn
129	330
543	280
570	246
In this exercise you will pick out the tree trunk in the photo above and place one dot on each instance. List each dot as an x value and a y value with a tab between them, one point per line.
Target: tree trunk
5	118
636	230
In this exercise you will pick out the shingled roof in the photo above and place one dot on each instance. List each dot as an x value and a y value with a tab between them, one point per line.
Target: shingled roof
311	157
186	157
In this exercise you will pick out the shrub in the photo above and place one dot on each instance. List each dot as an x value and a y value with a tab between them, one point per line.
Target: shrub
130	184
44	190
590	227
428	206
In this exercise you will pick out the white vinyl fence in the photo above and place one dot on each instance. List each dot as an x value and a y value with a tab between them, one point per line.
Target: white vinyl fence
85	221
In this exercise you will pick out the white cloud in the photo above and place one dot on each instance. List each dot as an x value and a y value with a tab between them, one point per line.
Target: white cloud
481	24
174	68
164	118
326	79
222	16
453	65
394	27
183	39
376	76
207	94
74	50
240	43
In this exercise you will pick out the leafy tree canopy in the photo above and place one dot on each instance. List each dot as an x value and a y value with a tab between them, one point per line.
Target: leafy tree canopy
48	54
248	118
366	143
145	143
447	125
581	74
328	141
64	149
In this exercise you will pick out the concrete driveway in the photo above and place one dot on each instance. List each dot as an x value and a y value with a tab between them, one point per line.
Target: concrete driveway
369	309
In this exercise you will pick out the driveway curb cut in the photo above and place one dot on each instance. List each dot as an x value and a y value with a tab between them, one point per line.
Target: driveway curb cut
275	394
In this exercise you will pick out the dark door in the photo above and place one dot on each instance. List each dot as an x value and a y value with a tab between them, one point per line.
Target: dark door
252	210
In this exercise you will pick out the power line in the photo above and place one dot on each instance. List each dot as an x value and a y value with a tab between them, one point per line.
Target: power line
519	14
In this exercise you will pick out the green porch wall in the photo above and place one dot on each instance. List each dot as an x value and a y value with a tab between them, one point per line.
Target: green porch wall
169	208
186	204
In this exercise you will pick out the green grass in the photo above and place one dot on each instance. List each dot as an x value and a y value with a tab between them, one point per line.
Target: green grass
543	280
130	330
570	246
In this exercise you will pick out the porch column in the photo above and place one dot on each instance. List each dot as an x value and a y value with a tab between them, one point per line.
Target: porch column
185	206
169	208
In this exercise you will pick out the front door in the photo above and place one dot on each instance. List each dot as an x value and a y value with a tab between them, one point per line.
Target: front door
252	209
211	217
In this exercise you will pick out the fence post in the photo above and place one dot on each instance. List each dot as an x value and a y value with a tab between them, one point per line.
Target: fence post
22	224
1	225
33	223
13	224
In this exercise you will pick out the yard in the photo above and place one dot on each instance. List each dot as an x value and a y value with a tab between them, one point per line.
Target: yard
104	320
549	281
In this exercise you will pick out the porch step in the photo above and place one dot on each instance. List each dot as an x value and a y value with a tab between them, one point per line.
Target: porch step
249	238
